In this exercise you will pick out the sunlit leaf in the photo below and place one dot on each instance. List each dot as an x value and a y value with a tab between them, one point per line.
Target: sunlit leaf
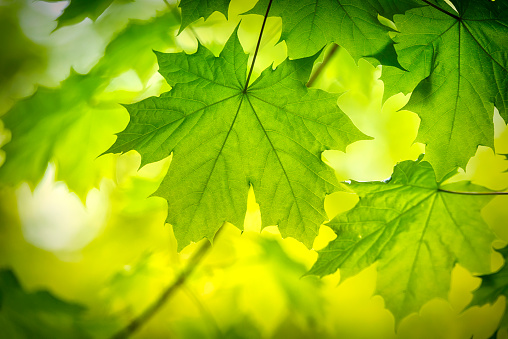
414	231
225	138
307	26
192	10
458	71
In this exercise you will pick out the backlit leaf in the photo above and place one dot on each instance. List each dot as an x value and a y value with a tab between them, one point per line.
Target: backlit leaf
457	69
416	234
225	138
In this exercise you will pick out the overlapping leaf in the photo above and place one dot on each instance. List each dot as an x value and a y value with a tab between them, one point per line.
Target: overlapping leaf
226	136
309	25
457	69
494	286
36	315
415	232
192	10
67	125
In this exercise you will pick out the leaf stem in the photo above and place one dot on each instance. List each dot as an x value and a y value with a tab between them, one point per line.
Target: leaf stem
472	193
321	67
194	261
442	10
257	47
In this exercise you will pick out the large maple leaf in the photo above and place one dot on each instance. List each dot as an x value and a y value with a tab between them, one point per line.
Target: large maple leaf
415	230
458	70
225	136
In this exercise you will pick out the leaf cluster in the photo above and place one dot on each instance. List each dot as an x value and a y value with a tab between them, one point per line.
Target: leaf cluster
228	132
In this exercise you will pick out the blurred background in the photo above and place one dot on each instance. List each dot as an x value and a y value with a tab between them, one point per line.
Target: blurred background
83	246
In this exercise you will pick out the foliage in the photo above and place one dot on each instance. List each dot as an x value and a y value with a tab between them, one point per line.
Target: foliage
211	119
251	156
50	123
309	25
38	314
77	10
415	231
460	57
193	10
492	287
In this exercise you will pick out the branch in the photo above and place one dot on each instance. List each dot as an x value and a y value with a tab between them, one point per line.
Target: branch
257	46
472	193
321	67
166	295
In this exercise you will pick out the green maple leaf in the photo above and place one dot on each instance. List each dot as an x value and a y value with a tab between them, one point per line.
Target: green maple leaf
494	286
78	10
225	136
414	231
192	10
36	314
309	25
457	70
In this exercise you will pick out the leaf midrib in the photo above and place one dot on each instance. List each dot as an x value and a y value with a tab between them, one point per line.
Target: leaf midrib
280	163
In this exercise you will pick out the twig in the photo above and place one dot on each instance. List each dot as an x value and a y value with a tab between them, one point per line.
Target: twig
473	193
135	324
321	67
257	47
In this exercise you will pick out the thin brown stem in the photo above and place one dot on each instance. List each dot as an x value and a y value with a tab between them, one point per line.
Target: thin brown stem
257	47
194	261
323	65
472	193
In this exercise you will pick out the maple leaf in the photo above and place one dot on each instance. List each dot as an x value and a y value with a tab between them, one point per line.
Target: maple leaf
192	10
225	135
415	231
457	71
308	26
493	286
